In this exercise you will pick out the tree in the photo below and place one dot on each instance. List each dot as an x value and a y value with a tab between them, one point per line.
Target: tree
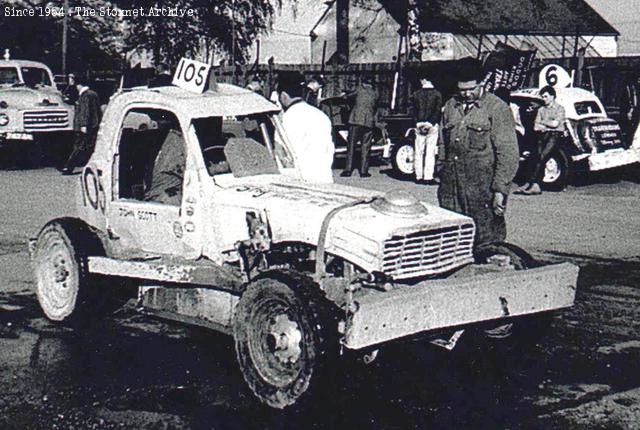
102	39
228	26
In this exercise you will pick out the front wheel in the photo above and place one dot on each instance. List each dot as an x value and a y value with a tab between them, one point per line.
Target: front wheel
556	171
402	158
279	338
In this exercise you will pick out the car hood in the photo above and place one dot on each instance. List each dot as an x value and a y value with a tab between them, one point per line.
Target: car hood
24	97
358	222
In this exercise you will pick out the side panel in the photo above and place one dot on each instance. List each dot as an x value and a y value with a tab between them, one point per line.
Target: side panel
208	308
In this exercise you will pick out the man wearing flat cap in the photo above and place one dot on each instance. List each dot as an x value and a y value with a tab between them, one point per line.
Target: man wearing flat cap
477	156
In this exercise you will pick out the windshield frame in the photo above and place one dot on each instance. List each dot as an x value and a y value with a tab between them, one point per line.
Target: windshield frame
270	143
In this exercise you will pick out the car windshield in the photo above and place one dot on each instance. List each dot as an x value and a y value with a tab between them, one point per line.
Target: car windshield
588	107
9	76
34	76
241	145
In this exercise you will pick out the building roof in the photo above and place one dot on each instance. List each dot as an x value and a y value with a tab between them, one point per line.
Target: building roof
550	17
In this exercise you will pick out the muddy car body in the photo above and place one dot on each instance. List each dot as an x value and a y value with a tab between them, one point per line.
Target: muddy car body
592	140
293	270
30	104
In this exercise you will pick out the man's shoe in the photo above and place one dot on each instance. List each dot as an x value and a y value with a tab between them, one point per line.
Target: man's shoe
534	189
365	175
67	171
345	174
523	189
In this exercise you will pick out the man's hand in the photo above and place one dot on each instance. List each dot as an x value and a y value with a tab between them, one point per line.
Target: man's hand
499	204
83	130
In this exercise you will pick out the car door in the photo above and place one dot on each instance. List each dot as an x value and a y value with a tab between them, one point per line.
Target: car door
140	222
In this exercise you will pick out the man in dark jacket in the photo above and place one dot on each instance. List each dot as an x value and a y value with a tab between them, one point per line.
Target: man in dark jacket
85	126
361	123
477	157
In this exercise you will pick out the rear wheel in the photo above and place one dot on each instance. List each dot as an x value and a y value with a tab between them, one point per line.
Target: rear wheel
402	159
556	171
64	287
280	339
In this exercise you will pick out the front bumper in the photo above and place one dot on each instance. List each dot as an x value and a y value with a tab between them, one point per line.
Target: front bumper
445	303
613	158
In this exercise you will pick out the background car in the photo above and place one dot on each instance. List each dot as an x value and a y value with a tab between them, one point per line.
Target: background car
592	140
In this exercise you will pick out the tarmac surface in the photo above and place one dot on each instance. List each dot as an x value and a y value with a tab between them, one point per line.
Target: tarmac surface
132	371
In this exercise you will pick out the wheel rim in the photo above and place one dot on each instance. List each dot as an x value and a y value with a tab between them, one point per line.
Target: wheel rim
552	171
56	276
275	341
404	159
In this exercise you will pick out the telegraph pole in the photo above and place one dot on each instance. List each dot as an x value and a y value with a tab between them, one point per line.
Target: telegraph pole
65	24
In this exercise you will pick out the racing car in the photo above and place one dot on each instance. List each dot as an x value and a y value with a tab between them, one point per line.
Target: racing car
294	271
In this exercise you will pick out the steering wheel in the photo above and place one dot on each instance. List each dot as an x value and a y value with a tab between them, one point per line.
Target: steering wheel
215	160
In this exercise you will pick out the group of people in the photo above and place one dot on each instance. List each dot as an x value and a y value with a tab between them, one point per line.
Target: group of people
292	90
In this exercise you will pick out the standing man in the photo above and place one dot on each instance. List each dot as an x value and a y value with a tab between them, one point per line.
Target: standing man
477	157
361	122
550	126
163	77
313	91
427	109
85	126
308	130
70	93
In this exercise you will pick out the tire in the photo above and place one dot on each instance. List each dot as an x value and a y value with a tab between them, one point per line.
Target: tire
402	160
65	290
525	328
556	172
281	337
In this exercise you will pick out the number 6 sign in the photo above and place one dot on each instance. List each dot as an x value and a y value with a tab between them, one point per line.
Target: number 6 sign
191	75
555	76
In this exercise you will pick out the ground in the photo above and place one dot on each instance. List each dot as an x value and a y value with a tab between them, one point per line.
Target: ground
135	372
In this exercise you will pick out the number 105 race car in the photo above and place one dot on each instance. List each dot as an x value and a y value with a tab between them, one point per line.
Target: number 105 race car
294	271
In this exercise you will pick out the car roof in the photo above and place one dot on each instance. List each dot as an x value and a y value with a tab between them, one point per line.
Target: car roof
224	100
567	98
22	63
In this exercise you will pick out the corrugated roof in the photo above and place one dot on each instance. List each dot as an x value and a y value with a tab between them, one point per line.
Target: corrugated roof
546	17
546	46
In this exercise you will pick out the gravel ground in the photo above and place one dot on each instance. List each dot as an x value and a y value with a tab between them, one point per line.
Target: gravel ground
136	372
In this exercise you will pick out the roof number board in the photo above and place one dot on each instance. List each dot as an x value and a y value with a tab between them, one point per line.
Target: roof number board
192	75
554	76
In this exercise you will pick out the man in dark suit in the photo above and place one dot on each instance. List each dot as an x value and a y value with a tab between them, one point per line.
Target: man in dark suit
85	126
361	123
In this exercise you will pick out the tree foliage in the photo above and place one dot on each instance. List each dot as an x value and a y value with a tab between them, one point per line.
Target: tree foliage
223	27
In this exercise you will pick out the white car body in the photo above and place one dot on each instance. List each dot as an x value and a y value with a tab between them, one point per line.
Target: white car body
26	111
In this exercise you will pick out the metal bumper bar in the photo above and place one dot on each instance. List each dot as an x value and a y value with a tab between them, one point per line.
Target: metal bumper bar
438	304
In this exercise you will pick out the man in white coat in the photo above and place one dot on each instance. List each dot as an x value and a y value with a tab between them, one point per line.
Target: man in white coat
308	130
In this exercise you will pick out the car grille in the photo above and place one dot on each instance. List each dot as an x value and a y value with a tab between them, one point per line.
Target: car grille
45	120
429	252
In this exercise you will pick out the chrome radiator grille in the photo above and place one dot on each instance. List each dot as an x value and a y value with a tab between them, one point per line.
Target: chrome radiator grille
428	252
45	120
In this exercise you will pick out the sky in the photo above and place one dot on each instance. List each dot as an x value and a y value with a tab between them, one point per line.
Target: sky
624	16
